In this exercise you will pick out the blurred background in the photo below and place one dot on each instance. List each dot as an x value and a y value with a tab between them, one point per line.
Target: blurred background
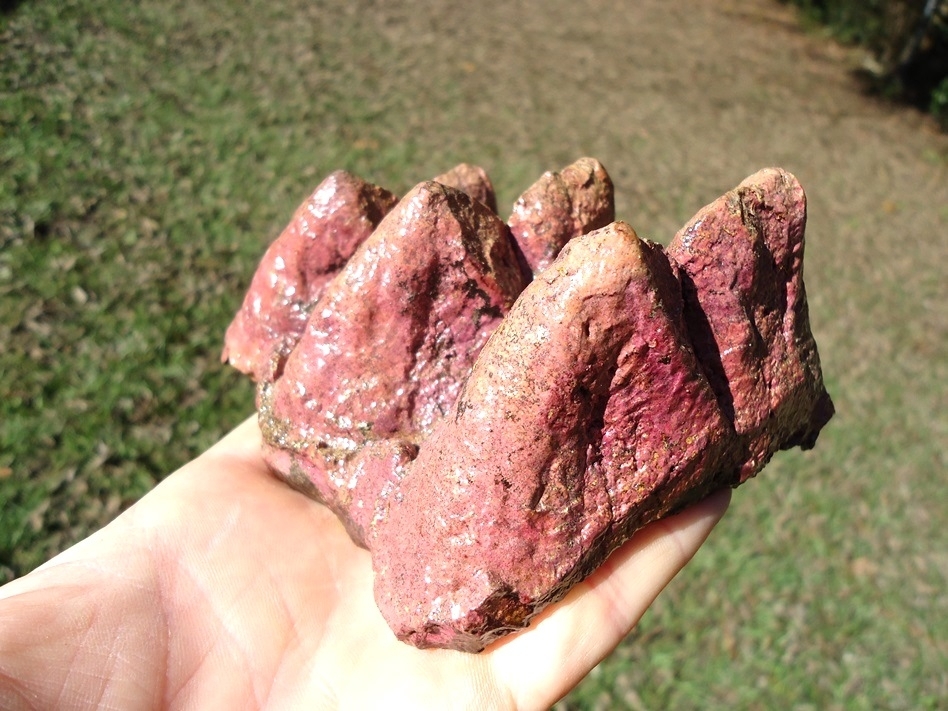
150	151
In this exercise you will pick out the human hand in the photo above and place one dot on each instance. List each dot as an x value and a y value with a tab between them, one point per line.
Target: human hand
225	589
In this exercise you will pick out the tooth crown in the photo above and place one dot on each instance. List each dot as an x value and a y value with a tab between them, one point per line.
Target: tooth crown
491	408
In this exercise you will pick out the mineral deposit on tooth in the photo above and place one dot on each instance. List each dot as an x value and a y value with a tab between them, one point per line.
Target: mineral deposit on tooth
473	180
492	408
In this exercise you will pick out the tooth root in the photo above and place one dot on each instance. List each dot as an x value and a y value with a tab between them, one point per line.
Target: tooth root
491	450
393	336
741	261
559	207
544	467
324	232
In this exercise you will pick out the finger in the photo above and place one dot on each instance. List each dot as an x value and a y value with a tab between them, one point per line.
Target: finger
236	458
244	439
569	639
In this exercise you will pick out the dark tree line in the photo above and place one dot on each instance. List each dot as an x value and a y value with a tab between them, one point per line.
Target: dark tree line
908	38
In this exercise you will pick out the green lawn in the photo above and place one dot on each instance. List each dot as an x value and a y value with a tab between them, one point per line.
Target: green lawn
149	151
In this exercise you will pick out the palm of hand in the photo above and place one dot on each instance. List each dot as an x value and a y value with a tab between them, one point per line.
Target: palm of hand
223	588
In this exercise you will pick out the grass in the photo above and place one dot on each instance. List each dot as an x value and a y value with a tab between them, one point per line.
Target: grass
149	152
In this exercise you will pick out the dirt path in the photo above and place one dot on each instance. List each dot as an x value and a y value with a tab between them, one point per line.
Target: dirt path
678	98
